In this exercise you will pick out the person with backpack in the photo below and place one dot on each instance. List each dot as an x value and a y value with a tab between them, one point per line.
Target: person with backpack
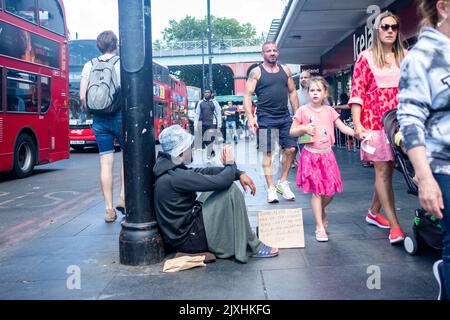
100	95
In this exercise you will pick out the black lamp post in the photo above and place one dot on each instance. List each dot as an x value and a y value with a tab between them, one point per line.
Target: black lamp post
140	242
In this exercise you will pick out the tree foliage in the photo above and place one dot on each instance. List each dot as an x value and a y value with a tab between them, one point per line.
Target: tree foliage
191	28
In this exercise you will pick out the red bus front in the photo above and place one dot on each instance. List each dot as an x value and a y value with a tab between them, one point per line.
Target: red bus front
81	134
179	99
162	107
80	124
34	93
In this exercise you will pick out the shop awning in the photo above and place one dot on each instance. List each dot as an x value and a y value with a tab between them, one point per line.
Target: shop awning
310	28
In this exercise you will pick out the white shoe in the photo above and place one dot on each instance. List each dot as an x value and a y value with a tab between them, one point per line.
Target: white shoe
439	278
272	196
321	235
284	189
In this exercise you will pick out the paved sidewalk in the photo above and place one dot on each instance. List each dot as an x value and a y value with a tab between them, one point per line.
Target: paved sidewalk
333	270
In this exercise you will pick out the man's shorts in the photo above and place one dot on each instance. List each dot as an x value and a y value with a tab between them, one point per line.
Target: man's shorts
107	130
272	128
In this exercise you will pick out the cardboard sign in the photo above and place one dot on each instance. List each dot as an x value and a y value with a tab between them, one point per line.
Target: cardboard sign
281	228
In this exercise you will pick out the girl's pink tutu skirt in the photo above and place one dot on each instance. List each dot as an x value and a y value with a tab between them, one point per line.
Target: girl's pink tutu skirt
318	173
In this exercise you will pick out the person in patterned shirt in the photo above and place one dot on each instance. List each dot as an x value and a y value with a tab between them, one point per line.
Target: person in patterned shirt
374	91
424	118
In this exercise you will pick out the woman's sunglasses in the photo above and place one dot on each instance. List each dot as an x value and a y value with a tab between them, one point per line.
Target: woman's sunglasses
385	27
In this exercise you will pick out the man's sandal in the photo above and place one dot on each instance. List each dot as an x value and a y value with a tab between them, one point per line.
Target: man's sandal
265	252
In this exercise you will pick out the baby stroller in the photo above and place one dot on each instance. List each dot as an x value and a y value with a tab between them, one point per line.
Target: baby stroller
426	229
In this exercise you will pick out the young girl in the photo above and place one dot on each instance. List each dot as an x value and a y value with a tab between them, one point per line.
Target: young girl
318	172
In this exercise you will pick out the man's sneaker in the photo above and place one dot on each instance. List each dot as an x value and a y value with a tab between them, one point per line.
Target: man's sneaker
321	235
377	220
284	189
110	215
437	271
396	235
272	196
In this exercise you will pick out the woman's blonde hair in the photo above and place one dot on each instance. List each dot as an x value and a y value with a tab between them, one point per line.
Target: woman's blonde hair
429	13
377	46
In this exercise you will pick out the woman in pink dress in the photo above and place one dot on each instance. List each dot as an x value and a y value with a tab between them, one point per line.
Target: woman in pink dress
374	91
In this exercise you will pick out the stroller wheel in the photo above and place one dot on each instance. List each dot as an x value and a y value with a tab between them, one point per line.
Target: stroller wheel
411	245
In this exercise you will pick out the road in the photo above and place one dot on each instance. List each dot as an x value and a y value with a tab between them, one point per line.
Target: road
54	195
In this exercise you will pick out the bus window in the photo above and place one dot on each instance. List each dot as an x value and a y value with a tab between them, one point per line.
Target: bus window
158	111
21	92
165	110
46	94
23	8
51	16
80	52
157	73
161	111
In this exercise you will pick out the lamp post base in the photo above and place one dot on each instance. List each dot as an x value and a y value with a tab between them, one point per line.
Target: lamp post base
140	244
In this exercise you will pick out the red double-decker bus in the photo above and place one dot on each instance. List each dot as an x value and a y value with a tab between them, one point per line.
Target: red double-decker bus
179	100
34	93
161	98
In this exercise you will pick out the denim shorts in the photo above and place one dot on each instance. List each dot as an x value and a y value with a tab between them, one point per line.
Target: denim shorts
273	127
106	130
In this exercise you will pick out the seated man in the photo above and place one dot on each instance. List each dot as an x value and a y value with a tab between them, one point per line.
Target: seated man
218	221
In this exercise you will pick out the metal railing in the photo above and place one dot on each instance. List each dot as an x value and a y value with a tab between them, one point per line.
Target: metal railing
345	141
222	46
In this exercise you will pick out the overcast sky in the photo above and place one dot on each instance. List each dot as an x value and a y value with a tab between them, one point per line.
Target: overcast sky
90	17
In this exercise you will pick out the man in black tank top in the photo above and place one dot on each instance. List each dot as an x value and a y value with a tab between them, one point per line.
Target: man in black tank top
273	85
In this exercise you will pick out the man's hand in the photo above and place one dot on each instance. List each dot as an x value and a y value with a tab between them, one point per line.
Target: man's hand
430	197
253	125
247	181
226	155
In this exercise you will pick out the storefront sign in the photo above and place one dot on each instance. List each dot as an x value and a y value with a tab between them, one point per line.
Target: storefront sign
314	69
362	41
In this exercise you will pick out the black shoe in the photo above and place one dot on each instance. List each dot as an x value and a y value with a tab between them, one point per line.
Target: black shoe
121	209
213	154
121	206
437	271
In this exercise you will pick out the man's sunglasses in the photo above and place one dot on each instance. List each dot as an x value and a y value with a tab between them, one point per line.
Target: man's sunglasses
385	27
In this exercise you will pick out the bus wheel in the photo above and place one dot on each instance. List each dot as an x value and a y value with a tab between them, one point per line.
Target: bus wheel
24	156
